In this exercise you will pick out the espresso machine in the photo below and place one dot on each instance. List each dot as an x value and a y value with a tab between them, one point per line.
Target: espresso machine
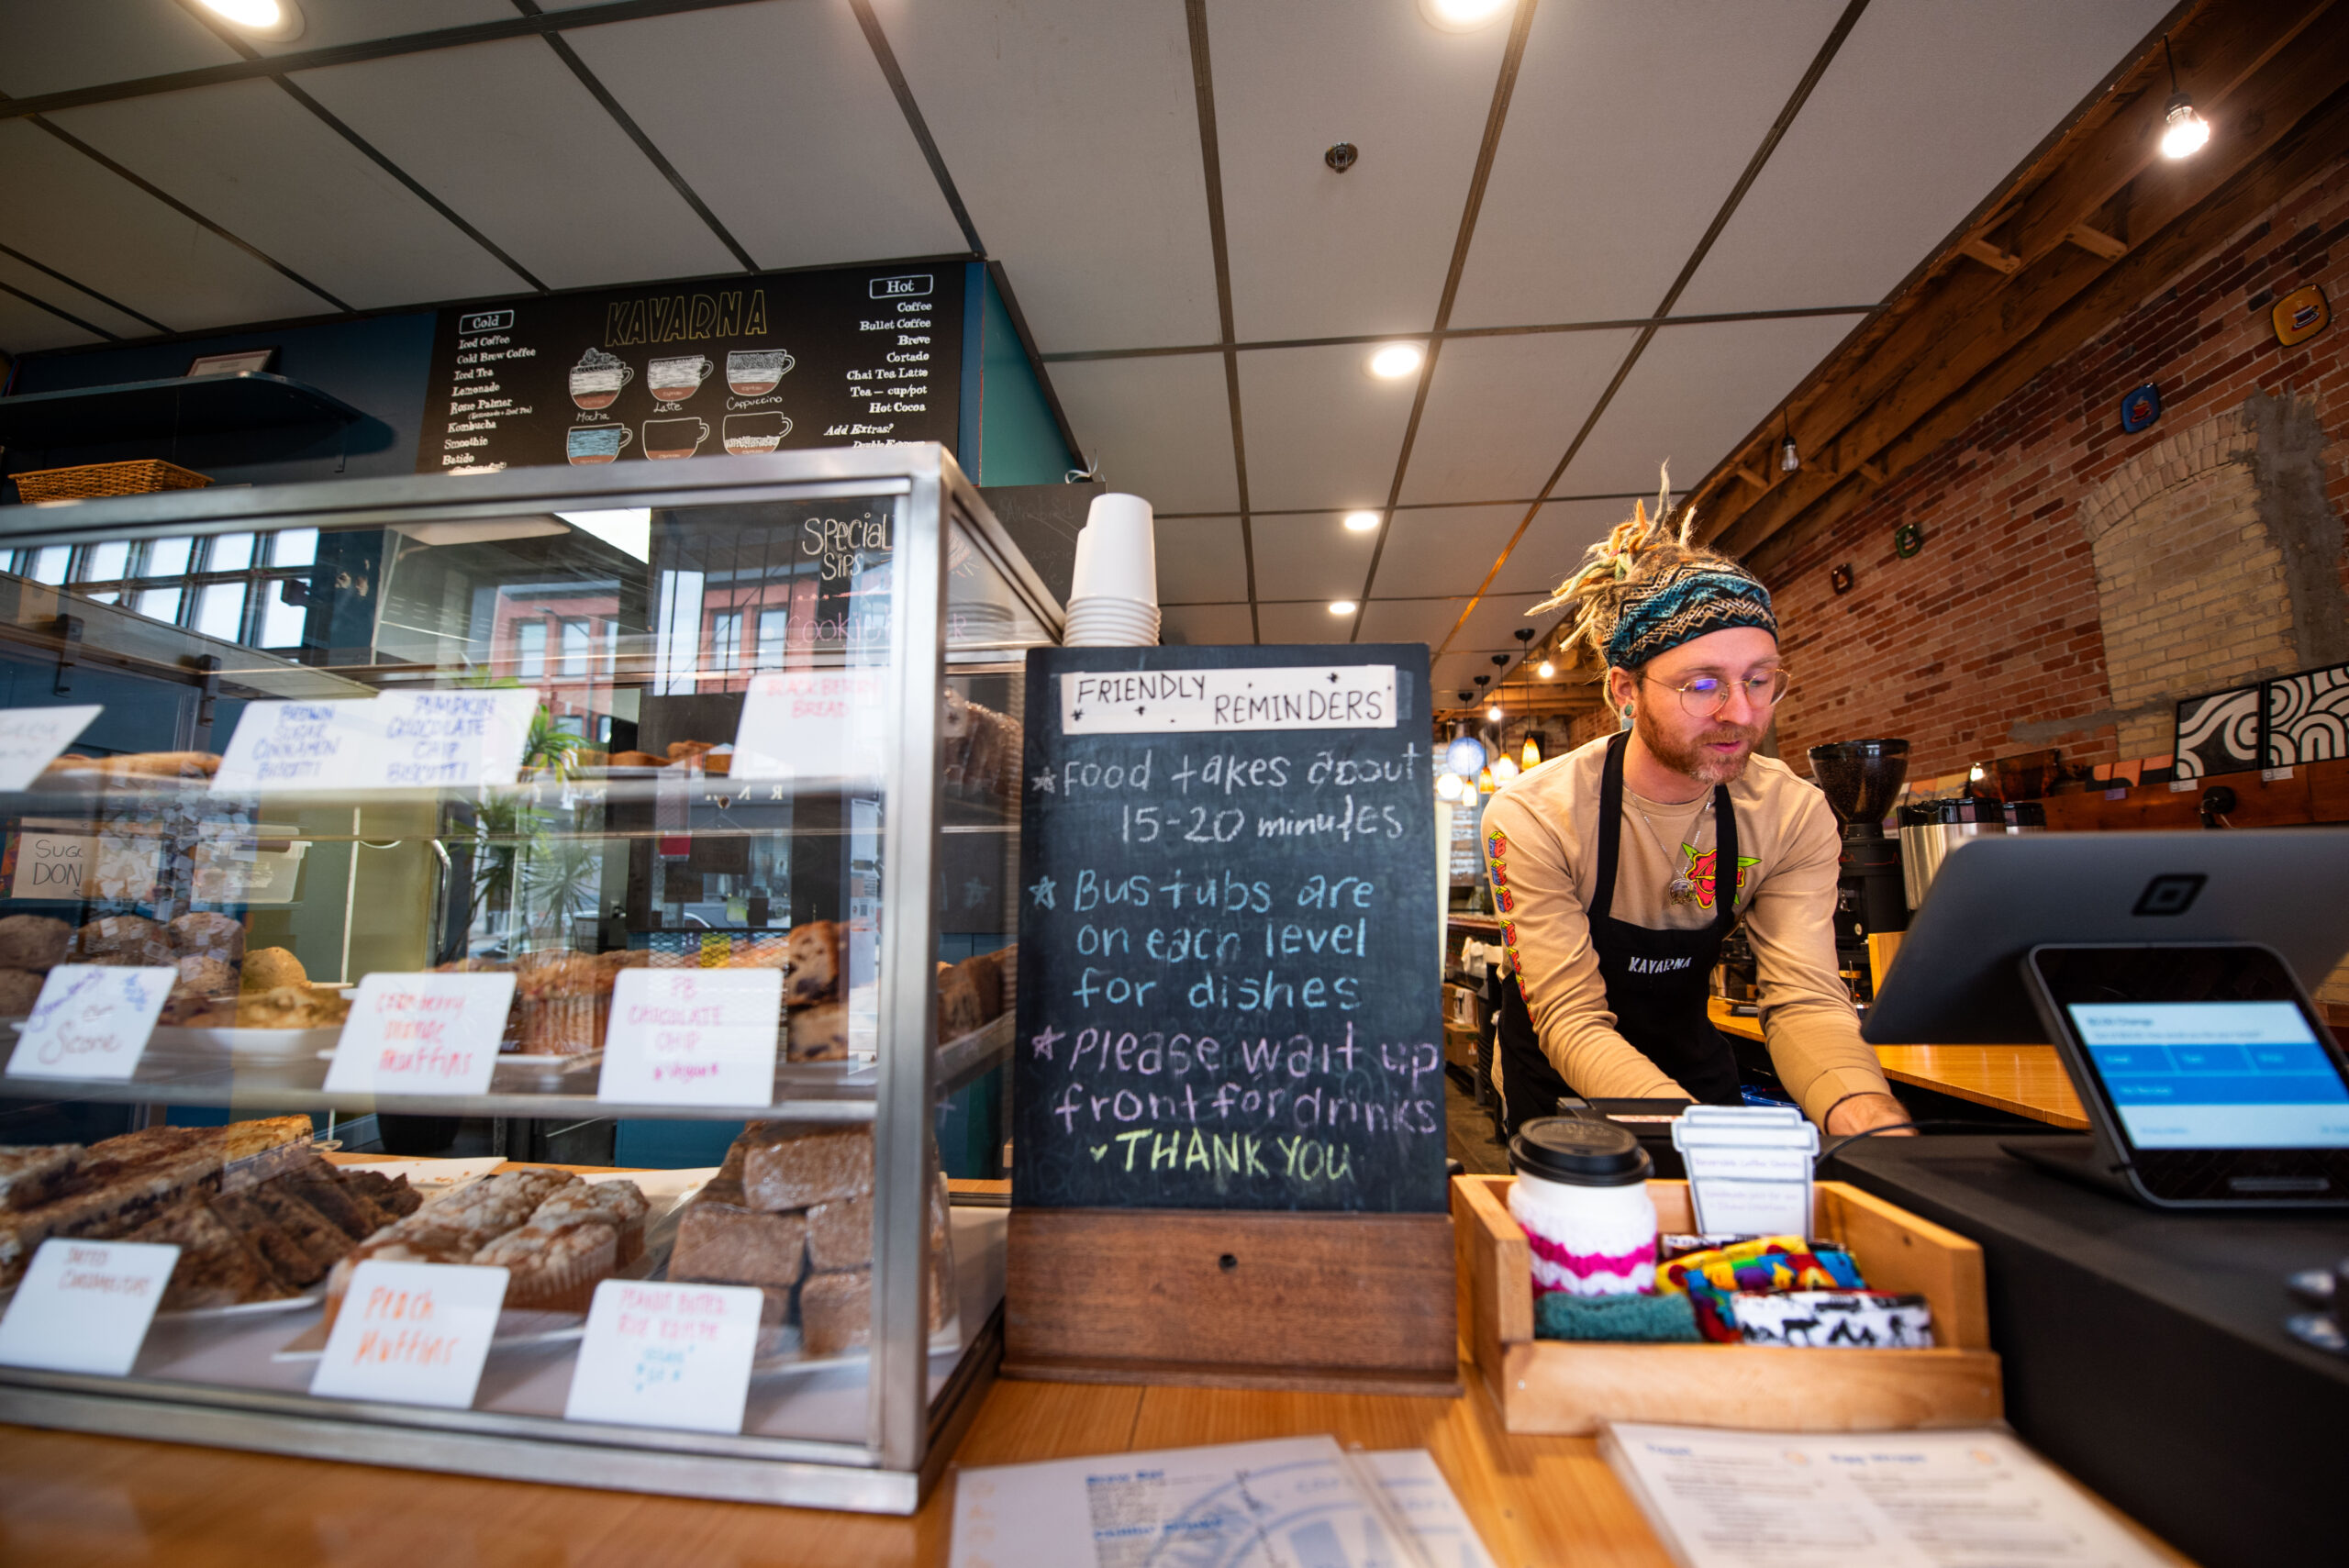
1861	779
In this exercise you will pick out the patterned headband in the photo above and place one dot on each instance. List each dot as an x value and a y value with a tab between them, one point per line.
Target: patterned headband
1685	602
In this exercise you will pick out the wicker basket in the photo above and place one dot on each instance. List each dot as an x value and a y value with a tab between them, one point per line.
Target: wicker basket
90	480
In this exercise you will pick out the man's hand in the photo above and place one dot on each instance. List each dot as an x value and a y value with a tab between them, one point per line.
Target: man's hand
1857	1112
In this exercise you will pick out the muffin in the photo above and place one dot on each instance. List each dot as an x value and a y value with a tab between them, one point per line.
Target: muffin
33	941
266	969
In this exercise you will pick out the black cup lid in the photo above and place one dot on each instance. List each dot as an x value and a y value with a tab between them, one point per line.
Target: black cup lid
1579	1153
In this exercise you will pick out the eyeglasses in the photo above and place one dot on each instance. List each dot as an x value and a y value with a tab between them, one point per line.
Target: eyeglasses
1702	697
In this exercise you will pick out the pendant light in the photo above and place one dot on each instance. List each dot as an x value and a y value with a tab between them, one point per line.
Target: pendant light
1486	783
2183	132
1448	786
1789	459
1532	751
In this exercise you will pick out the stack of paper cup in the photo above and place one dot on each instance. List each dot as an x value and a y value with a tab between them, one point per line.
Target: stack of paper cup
1113	598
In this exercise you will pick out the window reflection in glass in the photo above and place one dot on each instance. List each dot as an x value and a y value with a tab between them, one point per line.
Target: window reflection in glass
109	563
530	649
726	640
230	552
281	624
293	547
48	565
166	557
161	603
774	638
220	610
575	642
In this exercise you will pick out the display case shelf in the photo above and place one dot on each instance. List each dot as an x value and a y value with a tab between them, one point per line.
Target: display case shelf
181	406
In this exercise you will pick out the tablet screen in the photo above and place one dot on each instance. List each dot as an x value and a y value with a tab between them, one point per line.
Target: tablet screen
2215	1075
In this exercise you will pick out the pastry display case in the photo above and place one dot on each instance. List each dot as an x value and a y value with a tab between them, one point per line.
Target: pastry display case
531	755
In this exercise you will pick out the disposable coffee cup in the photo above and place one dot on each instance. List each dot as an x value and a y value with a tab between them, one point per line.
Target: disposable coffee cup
746	434
675	437
1117	553
675	380
754	372
589	444
1113	623
1581	1193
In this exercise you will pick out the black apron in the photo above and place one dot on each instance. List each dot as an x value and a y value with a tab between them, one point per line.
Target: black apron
1657	982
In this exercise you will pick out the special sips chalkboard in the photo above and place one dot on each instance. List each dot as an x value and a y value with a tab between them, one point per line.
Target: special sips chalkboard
1227	899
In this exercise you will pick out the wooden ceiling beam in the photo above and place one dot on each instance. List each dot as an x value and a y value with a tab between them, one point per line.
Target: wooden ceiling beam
1934	354
1942	314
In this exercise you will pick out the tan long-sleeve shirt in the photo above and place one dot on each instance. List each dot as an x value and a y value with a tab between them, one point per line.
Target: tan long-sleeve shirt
1541	836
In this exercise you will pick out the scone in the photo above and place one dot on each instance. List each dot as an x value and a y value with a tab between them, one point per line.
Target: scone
266	969
33	941
127	940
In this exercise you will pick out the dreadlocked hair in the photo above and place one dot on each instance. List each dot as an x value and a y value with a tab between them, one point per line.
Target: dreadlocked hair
1613	572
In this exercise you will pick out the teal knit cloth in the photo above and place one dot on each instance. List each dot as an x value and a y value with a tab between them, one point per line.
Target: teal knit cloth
1648	1319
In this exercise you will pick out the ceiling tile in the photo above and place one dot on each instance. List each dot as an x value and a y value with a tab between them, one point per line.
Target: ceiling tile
1200	626
1627	128
54	46
1302	623
1502	410
1696	392
1442	550
1551	550
253	161
1072	131
1454	673
1493	625
505	135
1926	108
1200	560
327	23
1321	430
73	301
1160	428
25	327
1409	621
1313	557
67	212
779	119
1316	253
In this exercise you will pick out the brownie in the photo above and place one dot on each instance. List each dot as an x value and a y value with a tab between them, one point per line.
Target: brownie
286	1258
839	1233
985	973
33	941
391	1194
818	1033
785	1166
343	1203
836	1313
316	1234
32	1175
120	1184
960	1011
815	949
216	1267
725	1245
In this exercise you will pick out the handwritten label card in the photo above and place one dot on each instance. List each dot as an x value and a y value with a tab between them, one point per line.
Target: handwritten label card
667	1355
421	1034
31	737
412	1333
90	1022
802	724
692	1037
86	1306
1202	701
399	740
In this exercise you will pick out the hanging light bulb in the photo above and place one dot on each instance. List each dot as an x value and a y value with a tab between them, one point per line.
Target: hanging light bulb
1448	786
1789	459
1503	769
1493	714
1484	783
1546	670
2183	132
1532	753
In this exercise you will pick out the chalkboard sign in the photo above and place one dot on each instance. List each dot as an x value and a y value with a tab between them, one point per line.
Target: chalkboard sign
768	362
1227	993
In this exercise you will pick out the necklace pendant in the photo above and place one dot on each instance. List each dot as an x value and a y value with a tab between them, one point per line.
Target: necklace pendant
1683	890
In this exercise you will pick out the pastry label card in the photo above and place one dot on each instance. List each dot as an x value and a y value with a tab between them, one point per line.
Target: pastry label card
399	740
667	1355
412	1334
90	1022
421	1034
31	737
86	1306
692	1037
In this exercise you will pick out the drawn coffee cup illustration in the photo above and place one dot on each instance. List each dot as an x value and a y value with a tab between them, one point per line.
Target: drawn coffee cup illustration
674	381
596	443
675	437
754	372
746	433
597	380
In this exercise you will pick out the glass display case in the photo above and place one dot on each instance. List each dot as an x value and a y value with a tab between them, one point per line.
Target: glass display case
560	744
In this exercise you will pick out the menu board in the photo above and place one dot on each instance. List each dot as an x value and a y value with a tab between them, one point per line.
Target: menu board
1227	994
770	361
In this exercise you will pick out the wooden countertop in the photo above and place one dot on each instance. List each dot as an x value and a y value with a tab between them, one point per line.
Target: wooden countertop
2026	1080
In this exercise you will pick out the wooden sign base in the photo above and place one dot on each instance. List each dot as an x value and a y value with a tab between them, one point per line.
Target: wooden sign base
1348	1303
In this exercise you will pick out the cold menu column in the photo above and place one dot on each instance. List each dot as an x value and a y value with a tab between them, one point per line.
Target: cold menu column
479	401
894	379
1227	997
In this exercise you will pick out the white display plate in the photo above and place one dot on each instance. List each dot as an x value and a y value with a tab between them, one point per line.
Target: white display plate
275	1044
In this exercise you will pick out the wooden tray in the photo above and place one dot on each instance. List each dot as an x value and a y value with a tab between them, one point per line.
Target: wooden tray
1569	1386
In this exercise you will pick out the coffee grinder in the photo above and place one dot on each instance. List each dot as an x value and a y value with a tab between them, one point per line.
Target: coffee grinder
1860	779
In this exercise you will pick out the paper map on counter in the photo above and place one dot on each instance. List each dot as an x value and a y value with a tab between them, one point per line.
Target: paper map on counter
1260	1505
1981	1499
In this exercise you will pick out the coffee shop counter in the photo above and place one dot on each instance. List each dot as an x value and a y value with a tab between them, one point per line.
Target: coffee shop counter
2022	1080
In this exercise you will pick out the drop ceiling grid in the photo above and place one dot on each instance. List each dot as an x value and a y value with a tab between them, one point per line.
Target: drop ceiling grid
1311	557
1199	563
66	212
1926	109
71	301
1315	253
1321	430
1292	622
1500	410
811	163
26	326
1630	125
1092	194
1444	550
1160	428
1200	625
327	23
253	161
508	137
54	46
1408	621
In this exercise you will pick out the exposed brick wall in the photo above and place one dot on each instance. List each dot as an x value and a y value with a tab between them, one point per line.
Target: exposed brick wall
1993	639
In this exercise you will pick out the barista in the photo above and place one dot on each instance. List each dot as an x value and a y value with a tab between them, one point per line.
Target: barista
1618	867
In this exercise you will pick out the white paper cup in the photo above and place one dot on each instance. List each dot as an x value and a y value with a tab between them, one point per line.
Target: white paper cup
1116	553
1112	623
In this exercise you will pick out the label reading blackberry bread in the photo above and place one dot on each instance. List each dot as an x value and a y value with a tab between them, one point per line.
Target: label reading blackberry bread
1226	918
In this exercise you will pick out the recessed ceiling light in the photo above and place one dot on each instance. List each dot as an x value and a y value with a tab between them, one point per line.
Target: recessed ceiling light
1395	359
274	19
1361	522
1462	15
1341	606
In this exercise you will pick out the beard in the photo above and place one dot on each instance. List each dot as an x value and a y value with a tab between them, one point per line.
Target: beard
1693	757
